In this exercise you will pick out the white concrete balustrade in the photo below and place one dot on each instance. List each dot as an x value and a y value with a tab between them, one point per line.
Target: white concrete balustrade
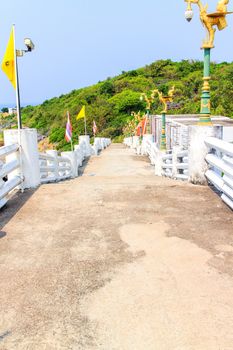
56	168
173	163
220	172
22	164
6	168
204	158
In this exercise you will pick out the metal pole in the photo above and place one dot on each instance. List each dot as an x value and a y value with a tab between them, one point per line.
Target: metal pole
18	113
205	97
71	142
148	121
17	85
85	123
163	145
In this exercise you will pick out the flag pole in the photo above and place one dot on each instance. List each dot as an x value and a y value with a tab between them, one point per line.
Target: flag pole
18	112
17	85
85	123
71	142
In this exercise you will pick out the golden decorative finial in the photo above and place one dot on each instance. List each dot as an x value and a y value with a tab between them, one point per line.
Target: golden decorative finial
147	99
132	124
165	99
137	116
210	20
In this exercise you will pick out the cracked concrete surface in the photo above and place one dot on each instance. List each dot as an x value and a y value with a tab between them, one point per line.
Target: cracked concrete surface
117	259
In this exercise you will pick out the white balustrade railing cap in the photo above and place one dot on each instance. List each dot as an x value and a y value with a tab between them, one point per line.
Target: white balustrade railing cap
5	150
45	156
220	145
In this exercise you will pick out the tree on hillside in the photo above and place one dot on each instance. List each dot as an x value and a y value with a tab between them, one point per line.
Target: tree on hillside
4	110
111	102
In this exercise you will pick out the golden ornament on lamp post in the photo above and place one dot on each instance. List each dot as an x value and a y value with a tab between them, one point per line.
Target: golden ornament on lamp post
164	100
209	21
149	100
137	119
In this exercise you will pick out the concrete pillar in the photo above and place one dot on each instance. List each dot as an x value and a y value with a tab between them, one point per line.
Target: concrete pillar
136	141
102	141
158	162
29	155
175	151
97	143
54	154
74	162
198	151
80	154
146	137
86	140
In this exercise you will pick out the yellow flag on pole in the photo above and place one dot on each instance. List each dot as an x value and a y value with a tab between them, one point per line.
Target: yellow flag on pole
81	113
8	62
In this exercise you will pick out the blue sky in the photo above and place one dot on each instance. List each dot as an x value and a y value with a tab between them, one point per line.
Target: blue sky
80	42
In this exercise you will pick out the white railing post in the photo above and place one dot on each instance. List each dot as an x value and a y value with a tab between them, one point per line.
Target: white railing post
86	139
198	151
158	162
80	154
175	151
72	156
53	153
96	146
146	138
136	141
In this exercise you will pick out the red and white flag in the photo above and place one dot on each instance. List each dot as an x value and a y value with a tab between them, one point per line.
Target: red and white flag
68	134
95	129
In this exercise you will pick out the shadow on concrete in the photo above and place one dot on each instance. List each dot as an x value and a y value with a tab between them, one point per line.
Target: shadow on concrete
14	204
83	167
4	335
2	234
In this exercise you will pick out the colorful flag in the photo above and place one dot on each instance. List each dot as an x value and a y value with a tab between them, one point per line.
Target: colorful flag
145	121
68	134
95	129
81	113
8	62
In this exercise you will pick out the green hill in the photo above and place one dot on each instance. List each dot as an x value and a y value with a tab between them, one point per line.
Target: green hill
110	102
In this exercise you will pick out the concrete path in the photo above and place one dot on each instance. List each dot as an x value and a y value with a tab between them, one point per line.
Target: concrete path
117	259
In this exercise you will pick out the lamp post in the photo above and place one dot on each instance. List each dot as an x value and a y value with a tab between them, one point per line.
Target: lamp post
164	100
209	21
19	53
149	100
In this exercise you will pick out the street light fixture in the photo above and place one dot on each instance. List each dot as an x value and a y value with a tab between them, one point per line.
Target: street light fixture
189	13
29	44
209	21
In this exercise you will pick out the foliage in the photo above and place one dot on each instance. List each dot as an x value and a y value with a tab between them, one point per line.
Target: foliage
111	102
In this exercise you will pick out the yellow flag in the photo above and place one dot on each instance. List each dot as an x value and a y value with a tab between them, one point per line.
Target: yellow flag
8	62
81	113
